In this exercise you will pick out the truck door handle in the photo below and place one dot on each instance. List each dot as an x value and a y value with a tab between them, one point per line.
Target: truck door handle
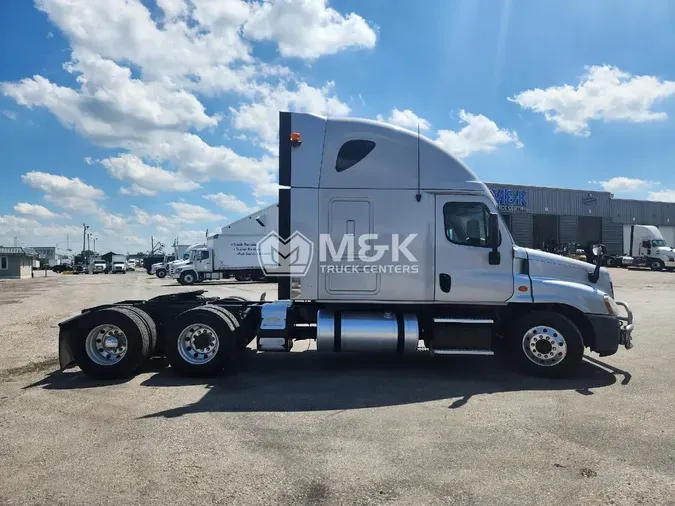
445	282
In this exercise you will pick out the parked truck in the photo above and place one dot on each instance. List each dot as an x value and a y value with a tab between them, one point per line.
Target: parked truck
386	243
224	256
118	264
644	246
161	269
97	266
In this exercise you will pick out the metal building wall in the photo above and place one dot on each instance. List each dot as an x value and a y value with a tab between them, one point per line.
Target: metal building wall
569	228
522	230
642	212
612	236
563	202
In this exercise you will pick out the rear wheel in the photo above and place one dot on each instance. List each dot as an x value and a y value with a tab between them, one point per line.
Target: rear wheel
201	343
546	343
111	343
243	277
160	273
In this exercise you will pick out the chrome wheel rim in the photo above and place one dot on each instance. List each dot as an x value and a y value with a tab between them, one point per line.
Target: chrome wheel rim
106	345
188	278
198	344
544	346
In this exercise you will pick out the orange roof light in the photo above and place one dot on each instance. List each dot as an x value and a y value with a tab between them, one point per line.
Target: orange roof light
296	139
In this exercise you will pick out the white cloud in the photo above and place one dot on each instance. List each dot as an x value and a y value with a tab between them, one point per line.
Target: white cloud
35	211
10	114
137	191
622	184
308	28
133	94
604	93
50	35
262	116
188	213
662	196
88	160
479	134
192	236
65	192
406	119
30	232
228	202
146	179
113	222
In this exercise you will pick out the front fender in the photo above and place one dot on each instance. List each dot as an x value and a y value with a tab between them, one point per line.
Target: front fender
587	299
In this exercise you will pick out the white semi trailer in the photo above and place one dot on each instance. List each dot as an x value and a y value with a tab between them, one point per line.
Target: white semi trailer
386	243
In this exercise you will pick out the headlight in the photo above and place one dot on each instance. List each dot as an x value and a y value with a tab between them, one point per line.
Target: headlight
612	307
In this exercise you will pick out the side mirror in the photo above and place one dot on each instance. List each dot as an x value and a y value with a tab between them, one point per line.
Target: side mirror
598	251
493	239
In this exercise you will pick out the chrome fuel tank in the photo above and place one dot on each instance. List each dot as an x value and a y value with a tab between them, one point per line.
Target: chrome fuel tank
353	331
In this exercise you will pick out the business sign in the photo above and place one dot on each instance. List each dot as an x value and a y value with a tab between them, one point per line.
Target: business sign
511	201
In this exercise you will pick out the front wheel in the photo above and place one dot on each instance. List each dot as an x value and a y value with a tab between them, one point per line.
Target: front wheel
656	265
187	278
548	344
160	273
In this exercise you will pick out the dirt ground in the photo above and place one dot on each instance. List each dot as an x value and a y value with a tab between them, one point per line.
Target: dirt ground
337	429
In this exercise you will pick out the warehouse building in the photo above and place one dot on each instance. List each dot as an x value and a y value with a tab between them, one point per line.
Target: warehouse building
537	214
16	262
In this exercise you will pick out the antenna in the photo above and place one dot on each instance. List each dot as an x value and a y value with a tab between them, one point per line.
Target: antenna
418	197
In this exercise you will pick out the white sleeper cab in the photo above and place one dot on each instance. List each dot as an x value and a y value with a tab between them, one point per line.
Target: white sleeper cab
385	243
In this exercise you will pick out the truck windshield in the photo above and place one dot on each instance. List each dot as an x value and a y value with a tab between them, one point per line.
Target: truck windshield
658	242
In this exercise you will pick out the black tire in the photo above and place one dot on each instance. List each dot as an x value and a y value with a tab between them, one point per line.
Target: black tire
138	343
550	323
160	273
656	265
243	277
221	325
149	324
187	278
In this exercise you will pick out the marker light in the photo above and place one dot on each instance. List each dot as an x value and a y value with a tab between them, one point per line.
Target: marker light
296	139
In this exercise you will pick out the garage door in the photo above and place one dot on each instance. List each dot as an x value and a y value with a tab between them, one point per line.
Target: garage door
668	234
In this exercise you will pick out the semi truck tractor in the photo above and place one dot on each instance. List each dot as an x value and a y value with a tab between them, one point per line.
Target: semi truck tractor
386	243
648	248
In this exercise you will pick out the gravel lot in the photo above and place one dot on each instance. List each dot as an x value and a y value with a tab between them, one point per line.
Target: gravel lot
298	429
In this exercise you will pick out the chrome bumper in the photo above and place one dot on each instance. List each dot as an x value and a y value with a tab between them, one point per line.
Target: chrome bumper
625	336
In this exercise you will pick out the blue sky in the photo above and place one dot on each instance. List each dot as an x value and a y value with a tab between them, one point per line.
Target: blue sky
159	118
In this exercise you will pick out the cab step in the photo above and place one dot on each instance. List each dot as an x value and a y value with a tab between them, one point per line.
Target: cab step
462	336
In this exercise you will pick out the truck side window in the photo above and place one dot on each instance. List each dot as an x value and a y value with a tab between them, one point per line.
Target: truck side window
466	223
646	244
205	255
352	152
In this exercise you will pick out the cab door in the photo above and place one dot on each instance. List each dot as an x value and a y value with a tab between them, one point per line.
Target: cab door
203	260
463	271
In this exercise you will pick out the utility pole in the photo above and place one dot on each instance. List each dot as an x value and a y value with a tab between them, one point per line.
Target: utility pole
68	242
84	237
94	250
